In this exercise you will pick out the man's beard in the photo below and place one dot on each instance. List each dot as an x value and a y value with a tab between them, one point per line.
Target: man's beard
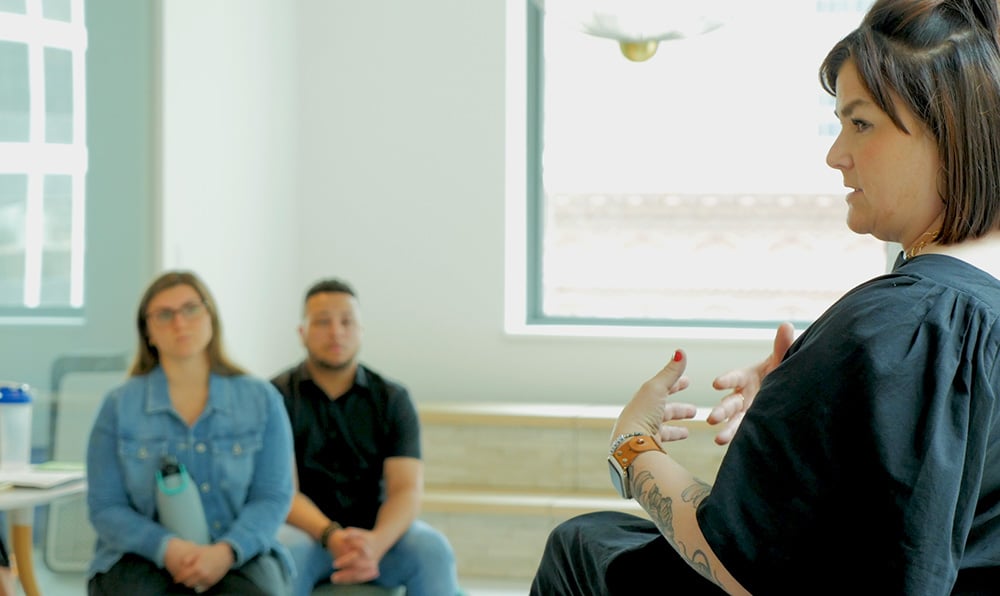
330	366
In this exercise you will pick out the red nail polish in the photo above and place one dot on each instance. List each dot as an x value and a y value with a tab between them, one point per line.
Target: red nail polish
677	356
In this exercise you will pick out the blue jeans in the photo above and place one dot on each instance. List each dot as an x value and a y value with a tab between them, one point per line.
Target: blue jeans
421	560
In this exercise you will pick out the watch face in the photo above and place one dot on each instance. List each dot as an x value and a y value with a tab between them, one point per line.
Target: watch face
619	479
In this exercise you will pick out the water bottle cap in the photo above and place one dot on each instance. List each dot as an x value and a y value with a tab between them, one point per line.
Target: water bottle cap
14	393
169	465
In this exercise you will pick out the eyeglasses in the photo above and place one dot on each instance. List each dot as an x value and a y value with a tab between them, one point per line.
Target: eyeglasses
165	316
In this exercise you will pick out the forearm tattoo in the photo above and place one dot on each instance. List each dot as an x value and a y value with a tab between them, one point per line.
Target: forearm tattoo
661	509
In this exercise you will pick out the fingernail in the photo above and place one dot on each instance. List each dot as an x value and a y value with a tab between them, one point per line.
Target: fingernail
677	356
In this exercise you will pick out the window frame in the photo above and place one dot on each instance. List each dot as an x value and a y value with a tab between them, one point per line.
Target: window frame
37	159
528	318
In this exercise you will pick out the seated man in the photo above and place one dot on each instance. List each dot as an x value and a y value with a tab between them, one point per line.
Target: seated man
357	449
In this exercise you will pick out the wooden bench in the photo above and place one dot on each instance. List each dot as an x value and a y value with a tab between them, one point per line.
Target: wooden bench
513	471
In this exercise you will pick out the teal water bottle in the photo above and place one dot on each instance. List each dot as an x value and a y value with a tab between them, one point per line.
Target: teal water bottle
178	502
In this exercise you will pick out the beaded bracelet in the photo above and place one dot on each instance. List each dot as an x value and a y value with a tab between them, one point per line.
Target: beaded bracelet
327	531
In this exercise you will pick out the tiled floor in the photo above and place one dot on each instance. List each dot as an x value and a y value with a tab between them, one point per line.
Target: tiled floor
485	587
72	584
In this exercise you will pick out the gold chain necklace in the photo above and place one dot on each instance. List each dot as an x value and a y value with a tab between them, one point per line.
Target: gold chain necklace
921	244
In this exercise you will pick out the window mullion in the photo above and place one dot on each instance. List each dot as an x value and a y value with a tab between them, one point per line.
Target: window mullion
34	214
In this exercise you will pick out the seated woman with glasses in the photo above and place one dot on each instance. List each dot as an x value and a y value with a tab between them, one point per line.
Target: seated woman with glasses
185	400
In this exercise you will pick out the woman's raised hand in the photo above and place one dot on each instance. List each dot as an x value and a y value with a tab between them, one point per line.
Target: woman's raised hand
743	385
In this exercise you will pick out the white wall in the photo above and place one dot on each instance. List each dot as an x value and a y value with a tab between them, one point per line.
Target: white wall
230	180
366	140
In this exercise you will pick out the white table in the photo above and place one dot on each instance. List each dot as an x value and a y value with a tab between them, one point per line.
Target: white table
21	503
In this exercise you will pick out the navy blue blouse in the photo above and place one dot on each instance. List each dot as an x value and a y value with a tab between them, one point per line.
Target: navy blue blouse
871	455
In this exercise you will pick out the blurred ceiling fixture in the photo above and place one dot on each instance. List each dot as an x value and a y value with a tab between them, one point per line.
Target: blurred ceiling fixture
639	25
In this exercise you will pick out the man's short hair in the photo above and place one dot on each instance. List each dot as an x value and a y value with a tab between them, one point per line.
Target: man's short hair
331	284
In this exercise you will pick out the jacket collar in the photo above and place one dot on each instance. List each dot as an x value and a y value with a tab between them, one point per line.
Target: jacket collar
158	393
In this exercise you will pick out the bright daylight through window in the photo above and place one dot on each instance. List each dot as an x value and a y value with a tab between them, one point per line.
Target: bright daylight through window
43	156
691	189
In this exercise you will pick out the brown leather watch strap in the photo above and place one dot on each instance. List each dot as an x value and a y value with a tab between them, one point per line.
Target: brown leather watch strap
633	446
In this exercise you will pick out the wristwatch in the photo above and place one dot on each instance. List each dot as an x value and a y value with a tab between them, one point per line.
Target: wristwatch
623	452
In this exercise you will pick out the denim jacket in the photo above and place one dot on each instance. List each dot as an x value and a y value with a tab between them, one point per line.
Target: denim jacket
239	453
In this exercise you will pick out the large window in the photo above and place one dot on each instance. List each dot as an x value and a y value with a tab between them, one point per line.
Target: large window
43	156
690	189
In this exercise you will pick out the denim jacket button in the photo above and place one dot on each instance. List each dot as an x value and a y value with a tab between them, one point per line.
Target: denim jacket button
237	449
142	453
205	487
200	448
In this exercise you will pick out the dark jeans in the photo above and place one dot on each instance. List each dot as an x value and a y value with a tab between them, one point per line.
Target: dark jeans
133	575
611	553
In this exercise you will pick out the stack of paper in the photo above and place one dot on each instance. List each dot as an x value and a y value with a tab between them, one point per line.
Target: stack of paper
39	477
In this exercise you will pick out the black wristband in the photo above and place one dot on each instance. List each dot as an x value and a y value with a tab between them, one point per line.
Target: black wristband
330	529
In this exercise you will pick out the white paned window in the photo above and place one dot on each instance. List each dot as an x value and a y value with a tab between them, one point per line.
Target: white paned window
43	155
691	189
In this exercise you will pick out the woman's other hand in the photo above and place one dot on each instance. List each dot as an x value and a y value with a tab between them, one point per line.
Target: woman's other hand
743	385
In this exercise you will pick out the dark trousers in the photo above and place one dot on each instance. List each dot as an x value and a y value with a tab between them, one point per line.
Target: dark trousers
611	553
133	575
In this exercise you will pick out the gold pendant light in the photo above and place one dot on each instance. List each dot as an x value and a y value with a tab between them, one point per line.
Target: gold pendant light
639	51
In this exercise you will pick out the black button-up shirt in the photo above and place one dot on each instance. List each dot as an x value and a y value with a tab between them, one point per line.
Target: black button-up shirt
341	444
